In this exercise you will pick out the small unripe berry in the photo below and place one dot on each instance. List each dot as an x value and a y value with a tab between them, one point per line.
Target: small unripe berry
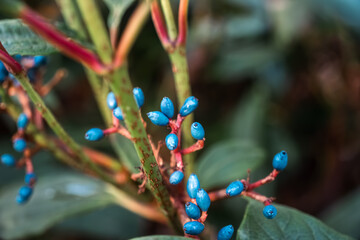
94	134
197	131
111	101
171	141
176	177
226	233
24	194
193	185
280	161
19	144
203	200
193	228
40	61
158	118
8	160
167	107
234	188
139	96
22	121
118	113
192	210
30	179
189	106
269	211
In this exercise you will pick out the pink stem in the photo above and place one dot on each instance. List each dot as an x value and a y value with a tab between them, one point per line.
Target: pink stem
159	23
183	12
271	177
11	65
193	148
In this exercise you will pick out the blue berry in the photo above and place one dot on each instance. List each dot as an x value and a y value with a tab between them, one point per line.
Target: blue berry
280	161
31	73
176	177
94	134
3	72
189	106
234	188
226	233
203	200
17	57
139	96
30	179
193	228
171	141
269	211
22	121
19	144
24	194
167	107
111	100
197	131
193	185
192	210
118	113
40	61
8	160
158	118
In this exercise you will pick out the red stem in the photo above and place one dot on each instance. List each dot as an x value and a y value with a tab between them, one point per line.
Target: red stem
159	23
271	177
193	148
11	65
183	12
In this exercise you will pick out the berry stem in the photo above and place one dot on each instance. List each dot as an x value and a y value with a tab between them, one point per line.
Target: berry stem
193	148
271	177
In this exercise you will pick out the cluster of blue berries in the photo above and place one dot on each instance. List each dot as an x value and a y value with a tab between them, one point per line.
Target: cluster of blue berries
20	145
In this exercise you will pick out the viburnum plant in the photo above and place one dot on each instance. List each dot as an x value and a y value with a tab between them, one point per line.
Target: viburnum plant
172	182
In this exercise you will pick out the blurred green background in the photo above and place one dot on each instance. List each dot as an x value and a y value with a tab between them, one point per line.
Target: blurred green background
270	75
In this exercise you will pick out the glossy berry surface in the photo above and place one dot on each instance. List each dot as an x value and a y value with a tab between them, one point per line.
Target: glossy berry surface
3	72
139	96
234	188
269	211
189	106
280	161
22	121
176	177
111	101
19	144
167	107
40	61
197	131
192	186
8	160
193	228
171	141
158	118
30	178
203	200
94	134
118	113
25	192
192	210
226	233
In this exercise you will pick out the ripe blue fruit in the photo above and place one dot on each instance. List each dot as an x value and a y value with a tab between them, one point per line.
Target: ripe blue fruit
8	160
111	101
19	144
25	192
280	161
118	113
176	177
193	185
197	131
3	72
189	106
226	233
30	178
171	141
139	96
94	134
40	61
22	121
234	188
167	107
193	228
158	118
192	210
203	200
269	211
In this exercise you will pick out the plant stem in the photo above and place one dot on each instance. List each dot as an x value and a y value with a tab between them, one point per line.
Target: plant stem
169	18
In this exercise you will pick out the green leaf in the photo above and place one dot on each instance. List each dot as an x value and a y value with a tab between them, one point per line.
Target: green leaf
126	151
228	161
344	215
288	224
55	197
17	38
159	237
117	10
